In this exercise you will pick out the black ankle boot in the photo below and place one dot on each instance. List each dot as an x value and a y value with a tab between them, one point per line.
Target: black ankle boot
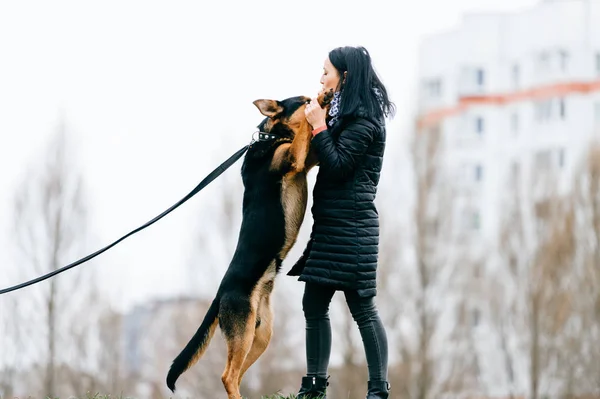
313	388
378	390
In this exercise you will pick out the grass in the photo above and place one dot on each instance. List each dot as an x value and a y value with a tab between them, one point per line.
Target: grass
99	396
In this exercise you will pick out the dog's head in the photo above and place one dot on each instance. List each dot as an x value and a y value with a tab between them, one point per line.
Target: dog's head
286	118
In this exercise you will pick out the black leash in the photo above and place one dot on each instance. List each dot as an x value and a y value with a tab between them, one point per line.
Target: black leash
207	180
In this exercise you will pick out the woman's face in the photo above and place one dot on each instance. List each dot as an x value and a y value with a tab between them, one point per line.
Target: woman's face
331	77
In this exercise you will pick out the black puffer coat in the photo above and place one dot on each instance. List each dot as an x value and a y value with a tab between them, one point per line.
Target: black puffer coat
343	249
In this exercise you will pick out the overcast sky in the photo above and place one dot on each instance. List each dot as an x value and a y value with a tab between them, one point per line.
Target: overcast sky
156	94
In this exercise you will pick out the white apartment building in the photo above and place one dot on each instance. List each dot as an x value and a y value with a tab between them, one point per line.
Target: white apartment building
511	92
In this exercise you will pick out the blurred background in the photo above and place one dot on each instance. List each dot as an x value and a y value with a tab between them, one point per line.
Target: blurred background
489	273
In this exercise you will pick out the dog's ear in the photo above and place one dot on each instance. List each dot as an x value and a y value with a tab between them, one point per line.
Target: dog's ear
268	108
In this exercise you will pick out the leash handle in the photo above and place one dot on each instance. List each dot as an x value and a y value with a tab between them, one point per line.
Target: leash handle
205	182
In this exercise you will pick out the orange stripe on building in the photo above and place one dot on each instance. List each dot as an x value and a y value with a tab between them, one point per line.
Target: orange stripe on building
436	116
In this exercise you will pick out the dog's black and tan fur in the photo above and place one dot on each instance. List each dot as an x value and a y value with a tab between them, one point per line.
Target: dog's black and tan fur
274	204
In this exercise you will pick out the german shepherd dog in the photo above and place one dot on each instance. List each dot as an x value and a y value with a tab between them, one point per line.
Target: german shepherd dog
274	203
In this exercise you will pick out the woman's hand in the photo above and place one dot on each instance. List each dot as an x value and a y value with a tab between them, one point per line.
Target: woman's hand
315	115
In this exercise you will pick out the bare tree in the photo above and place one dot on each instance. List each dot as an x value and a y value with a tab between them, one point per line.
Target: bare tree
428	225
426	150
442	259
548	300
11	345
547	296
50	225
503	302
532	307
586	205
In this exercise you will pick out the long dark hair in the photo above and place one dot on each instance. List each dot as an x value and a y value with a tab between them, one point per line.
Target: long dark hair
361	85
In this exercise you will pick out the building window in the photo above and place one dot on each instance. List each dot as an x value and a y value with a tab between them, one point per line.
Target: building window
516	76
514	122
543	110
478	172
543	62
475	317
515	169
550	159
479	125
543	160
471	220
472	80
480	77
564	60
540	110
546	110
561	158
562	108
434	88
475	221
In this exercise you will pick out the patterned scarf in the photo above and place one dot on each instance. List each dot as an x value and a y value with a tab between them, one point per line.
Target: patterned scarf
334	108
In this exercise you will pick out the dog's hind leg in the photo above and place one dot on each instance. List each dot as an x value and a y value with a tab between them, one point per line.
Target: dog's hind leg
262	334
238	323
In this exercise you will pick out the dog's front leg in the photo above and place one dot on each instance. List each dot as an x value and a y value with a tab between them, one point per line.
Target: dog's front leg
299	154
298	150
291	157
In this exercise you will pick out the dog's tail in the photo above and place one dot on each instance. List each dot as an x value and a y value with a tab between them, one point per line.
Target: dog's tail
197	345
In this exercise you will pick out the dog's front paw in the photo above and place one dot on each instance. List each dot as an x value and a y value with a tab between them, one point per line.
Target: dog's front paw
325	98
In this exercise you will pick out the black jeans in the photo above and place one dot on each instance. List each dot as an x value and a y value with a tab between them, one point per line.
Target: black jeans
315	304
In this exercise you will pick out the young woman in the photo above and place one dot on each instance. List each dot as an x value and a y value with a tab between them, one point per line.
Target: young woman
343	250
